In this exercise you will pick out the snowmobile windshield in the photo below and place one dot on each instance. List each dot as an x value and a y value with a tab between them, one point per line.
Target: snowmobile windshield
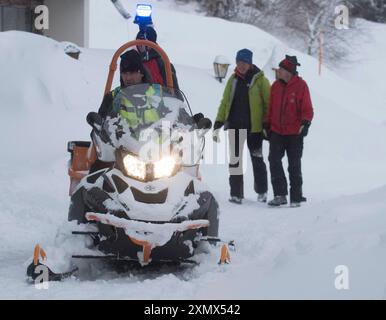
149	121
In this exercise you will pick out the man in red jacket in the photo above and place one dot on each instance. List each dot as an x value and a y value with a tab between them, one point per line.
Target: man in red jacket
153	61
288	120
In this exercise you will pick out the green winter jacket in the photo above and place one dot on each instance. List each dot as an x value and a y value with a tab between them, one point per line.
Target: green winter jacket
259	94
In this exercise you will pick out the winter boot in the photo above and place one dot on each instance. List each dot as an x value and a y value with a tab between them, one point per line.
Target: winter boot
278	201
262	197
295	204
236	200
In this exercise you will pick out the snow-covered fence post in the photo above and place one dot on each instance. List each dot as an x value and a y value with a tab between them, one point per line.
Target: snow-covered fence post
321	39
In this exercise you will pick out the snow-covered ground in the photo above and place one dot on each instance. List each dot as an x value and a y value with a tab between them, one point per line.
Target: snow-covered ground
288	253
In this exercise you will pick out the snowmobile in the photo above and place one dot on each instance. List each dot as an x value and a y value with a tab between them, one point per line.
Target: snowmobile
150	206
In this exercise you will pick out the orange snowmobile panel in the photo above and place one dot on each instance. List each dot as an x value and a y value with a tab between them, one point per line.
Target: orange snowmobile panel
82	158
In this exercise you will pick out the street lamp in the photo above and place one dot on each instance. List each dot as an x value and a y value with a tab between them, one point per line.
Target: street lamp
221	65
71	49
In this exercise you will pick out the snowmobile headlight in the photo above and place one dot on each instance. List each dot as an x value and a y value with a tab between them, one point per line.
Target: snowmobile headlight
134	167
164	168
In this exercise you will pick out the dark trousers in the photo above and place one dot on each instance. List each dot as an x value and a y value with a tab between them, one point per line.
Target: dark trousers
237	140
293	146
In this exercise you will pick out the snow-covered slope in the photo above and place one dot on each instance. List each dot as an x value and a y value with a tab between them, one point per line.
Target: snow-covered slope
367	67
44	98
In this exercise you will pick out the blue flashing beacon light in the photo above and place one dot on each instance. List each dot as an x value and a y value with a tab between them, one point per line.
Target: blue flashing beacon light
143	16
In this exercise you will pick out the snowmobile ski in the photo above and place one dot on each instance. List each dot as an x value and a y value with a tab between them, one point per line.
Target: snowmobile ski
36	268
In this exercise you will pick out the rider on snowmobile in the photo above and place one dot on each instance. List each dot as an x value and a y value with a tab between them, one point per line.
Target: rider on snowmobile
132	72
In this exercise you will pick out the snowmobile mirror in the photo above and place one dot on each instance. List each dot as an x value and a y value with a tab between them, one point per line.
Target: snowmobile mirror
94	119
205	124
197	117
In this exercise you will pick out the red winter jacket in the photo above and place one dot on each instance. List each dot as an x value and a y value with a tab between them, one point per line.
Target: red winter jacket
154	70
290	104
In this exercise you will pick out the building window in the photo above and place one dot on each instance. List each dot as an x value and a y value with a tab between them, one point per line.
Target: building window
15	18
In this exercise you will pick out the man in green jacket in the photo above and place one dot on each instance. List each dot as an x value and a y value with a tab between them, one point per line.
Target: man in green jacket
242	112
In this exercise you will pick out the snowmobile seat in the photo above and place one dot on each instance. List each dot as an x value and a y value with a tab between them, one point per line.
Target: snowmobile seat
82	158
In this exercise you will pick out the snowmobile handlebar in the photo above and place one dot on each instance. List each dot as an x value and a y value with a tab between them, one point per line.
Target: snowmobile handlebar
122	49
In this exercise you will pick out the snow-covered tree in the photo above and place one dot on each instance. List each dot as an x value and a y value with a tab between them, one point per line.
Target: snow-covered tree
308	18
226	9
374	10
297	21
